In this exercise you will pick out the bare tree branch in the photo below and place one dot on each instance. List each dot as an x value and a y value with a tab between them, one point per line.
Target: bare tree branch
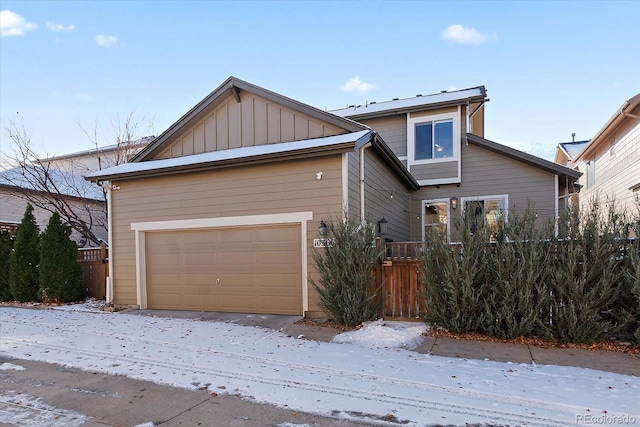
54	185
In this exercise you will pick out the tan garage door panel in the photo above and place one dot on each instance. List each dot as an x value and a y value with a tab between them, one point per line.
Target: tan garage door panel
245	269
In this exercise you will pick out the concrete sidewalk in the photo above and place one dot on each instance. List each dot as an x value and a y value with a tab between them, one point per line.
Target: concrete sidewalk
611	361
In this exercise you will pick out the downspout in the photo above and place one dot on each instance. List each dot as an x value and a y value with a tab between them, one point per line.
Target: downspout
364	147
556	202
109	284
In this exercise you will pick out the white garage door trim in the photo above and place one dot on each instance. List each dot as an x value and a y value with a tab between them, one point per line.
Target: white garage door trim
140	228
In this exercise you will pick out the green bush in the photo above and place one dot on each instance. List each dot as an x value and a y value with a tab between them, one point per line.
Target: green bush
519	278
25	259
346	288
454	279
60	275
589	277
517	295
6	245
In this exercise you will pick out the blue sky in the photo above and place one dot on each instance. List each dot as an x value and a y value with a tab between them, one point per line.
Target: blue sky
550	68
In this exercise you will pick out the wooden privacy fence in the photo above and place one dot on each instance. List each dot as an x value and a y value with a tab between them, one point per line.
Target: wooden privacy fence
94	264
400	272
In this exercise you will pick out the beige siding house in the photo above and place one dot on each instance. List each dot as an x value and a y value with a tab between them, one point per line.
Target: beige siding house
610	161
439	138
221	211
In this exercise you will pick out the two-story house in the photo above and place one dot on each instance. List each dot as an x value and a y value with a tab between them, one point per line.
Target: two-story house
222	211
610	161
440	139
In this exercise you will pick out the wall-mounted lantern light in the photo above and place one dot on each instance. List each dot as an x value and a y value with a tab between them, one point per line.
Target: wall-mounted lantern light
382	227
322	229
454	203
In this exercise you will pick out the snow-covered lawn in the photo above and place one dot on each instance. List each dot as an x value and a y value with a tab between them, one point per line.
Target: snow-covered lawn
368	374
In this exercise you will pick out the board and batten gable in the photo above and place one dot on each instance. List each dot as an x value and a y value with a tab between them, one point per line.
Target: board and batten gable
486	173
252	121
271	188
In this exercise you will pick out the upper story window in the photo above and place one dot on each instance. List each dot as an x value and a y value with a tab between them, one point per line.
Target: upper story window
434	139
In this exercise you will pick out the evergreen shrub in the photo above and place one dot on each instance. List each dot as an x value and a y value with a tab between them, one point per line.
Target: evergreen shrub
60	275
24	260
6	245
346	286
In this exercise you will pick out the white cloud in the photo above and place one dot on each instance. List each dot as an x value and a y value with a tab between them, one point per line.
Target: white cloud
356	85
460	34
60	27
12	24
105	41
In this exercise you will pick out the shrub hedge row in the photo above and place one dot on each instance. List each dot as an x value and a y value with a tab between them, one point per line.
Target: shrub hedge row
579	283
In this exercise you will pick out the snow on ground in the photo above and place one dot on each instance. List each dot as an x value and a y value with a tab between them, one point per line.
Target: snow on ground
28	411
371	375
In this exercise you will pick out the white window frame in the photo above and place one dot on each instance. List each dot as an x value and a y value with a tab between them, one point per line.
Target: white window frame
411	137
423	216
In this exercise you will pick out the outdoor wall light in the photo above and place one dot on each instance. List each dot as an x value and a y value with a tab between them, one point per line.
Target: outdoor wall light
454	203
382	227
322	230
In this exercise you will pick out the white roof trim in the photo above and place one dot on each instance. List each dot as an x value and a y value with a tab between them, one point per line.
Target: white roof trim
417	101
230	154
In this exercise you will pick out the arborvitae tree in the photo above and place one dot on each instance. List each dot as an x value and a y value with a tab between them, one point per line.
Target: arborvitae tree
454	279
517	295
60	275
25	259
6	245
587	274
346	288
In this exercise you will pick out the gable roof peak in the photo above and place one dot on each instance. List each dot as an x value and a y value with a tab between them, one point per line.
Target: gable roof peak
233	86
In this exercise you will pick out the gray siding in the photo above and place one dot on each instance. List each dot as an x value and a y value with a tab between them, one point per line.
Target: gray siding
385	196
354	184
393	130
435	171
485	173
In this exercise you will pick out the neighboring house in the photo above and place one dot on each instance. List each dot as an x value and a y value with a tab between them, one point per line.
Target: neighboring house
610	161
66	172
86	200
440	139
221	211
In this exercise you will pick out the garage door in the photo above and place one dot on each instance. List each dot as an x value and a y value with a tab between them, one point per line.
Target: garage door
253	269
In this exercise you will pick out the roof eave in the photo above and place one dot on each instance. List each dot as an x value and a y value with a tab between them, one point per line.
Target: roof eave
390	158
413	108
629	105
225	163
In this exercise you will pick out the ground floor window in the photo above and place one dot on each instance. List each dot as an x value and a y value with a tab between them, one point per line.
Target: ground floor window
486	210
435	218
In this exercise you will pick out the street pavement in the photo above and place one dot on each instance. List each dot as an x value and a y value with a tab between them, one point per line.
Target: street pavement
95	399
